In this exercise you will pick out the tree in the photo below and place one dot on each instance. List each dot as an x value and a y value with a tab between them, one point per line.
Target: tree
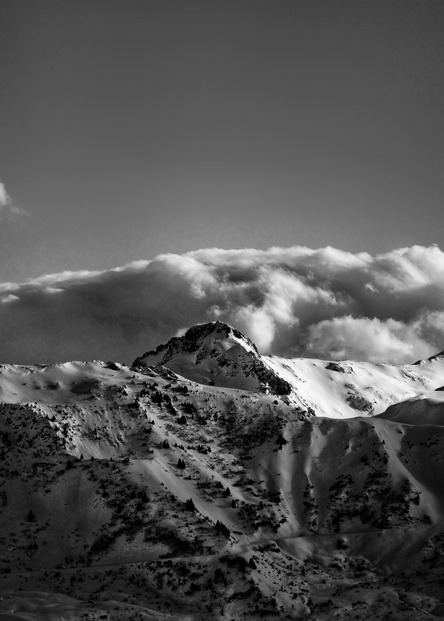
189	505
221	528
143	497
281	441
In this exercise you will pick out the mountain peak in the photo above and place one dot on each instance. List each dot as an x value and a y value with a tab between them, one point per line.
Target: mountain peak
217	354
217	330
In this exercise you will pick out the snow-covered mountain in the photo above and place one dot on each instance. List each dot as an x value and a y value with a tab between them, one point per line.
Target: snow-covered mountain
209	482
216	354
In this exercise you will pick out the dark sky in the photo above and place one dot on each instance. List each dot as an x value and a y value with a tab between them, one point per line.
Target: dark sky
134	127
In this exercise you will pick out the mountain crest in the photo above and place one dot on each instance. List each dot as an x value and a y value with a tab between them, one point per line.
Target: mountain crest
207	335
215	353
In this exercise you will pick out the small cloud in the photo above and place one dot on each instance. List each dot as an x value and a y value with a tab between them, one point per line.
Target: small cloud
9	298
181	331
7	208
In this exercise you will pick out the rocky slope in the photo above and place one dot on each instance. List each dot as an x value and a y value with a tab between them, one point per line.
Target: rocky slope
142	494
216	354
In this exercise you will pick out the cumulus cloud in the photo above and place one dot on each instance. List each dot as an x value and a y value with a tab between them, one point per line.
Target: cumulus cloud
366	339
290	301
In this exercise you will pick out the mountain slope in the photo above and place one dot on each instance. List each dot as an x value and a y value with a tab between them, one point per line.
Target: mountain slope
350	388
146	495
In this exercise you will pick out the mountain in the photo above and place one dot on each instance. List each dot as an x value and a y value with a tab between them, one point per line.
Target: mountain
216	354
141	493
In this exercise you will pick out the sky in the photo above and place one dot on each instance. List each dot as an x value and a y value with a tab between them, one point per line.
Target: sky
137	127
275	164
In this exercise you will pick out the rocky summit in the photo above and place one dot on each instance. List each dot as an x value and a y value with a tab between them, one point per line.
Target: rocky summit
216	354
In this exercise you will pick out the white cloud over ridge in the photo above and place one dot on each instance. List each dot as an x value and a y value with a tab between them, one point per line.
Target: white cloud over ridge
290	301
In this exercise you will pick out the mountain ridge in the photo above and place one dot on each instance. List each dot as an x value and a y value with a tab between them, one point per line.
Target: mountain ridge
217	354
140	493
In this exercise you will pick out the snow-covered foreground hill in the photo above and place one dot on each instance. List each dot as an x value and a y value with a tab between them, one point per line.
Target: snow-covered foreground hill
144	494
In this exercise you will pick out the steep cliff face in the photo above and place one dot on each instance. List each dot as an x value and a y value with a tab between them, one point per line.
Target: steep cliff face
216	354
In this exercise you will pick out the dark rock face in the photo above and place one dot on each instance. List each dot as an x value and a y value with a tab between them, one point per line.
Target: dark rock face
334	366
440	355
435	357
358	402
339	367
277	385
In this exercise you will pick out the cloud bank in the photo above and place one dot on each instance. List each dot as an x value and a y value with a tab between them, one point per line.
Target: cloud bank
290	301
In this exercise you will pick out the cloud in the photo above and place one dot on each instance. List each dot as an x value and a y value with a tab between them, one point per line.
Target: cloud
290	301
8	210
367	339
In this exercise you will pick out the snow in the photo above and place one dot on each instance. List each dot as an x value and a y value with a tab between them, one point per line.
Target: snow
352	453
364	388
354	389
